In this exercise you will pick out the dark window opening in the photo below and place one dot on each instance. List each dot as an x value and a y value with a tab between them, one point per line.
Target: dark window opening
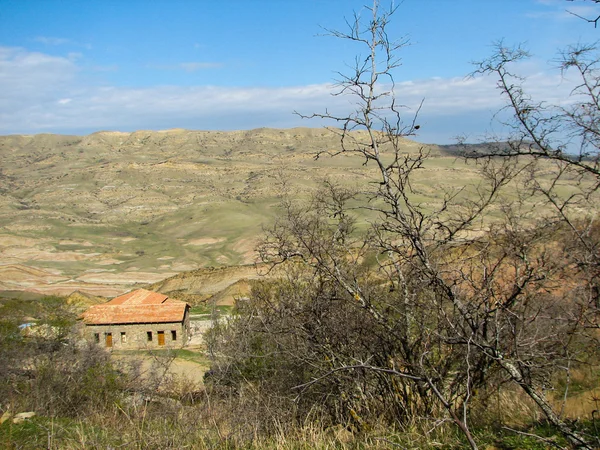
97	338
123	337
174	335
149	334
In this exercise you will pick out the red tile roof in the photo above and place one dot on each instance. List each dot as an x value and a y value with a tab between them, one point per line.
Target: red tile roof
139	297
140	306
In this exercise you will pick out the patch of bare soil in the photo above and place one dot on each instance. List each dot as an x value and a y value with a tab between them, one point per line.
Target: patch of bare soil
208	282
247	248
76	242
67	288
129	277
204	241
21	277
229	295
162	367
10	241
15	275
189	370
44	255
181	267
109	262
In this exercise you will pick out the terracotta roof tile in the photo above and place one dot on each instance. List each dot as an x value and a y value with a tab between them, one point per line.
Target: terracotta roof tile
139	297
140	306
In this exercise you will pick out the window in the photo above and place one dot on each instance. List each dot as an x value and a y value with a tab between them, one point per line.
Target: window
149	334
174	335
97	338
123	337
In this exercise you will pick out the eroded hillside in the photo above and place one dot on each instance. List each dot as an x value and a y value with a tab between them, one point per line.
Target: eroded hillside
103	212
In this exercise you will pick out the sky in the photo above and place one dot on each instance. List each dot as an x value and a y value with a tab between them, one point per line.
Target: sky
81	66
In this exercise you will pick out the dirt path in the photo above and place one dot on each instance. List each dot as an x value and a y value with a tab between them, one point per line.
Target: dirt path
189	370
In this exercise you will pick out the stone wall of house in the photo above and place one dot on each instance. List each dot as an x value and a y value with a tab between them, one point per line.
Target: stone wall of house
140	336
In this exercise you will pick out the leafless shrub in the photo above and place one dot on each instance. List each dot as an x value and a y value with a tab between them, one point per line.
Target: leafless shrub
431	307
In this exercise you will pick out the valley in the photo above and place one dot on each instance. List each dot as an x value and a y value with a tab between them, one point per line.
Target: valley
103	213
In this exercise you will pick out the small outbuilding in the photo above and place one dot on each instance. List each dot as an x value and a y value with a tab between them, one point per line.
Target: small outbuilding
140	319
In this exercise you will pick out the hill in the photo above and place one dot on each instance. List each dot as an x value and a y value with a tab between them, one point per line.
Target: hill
103	213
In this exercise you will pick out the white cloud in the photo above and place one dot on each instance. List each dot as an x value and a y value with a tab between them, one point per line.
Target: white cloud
561	10
56	41
73	56
51	40
27	77
42	93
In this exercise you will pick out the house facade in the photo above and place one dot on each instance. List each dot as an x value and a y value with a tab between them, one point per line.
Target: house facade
140	319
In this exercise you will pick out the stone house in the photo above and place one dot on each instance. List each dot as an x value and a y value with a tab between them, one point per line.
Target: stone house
140	319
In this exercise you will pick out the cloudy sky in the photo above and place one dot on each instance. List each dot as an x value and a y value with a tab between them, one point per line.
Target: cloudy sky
80	66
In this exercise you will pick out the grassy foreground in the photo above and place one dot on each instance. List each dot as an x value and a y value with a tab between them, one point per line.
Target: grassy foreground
84	399
215	423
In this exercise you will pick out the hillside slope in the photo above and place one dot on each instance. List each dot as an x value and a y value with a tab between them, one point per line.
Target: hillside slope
105	212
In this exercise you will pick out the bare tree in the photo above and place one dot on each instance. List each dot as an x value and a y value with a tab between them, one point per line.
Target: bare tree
567	138
483	315
435	302
593	20
563	138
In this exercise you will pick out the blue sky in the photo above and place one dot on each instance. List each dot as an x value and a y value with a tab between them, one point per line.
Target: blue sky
77	67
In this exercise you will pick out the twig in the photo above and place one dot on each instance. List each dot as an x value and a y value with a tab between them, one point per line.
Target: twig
546	440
